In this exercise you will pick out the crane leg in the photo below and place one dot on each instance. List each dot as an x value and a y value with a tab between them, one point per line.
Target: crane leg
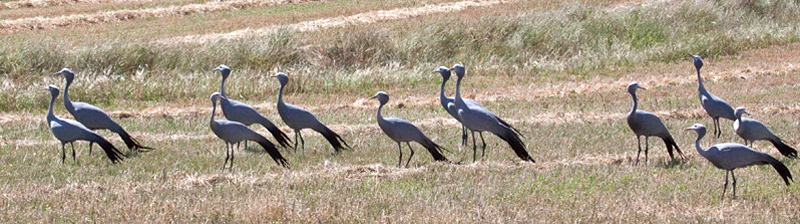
464	135
227	155
73	150
63	152
474	148
409	156
717	129
399	149
638	143
302	142
90	148
483	153
646	148
734	184
725	185
245	144
295	141
233	152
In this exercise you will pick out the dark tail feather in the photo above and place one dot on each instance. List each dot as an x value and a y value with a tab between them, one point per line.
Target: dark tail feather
782	170
784	149
281	137
516	144
113	154
335	140
434	149
670	142
130	142
272	151
509	126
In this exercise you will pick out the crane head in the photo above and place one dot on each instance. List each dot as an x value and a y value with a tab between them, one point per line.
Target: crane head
224	70
698	62
216	96
66	73
697	127
53	90
444	71
460	70
382	97
282	78
633	86
739	111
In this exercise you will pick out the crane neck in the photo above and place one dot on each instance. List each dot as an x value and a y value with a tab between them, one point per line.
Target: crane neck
50	115
700	81
213	111
222	88
280	94
442	97
379	116
458	100
635	103
67	102
700	150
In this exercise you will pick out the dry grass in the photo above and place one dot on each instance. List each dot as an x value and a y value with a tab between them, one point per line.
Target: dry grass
573	122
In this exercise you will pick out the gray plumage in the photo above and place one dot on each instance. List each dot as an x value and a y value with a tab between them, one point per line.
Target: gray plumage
298	119
729	156
245	114
752	130
479	119
233	132
449	105
647	124
715	107
401	131
95	118
68	131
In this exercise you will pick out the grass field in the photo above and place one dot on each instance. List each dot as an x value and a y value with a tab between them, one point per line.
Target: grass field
556	70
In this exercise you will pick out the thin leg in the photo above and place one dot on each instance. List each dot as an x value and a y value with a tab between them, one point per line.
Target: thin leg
725	185
233	152
646	149
73	151
227	155
412	153
474	148
302	142
399	149
483	153
718	129
638	143
464	135
734	184
90	148
63	152
295	141
245	144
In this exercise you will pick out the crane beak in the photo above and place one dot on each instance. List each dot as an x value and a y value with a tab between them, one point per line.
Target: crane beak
688	129
373	97
642	88
273	76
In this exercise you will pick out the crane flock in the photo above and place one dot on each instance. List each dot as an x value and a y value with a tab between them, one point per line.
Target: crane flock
472	116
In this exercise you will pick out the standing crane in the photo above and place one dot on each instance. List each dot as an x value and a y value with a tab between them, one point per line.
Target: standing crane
479	119
69	131
715	107
95	118
647	124
245	114
729	156
233	132
401	131
298	119
752	130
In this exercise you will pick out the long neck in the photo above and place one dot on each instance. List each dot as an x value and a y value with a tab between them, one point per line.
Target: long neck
700	81
213	111
50	115
280	94
442	97
222	88
700	150
380	118
67	102
458	99
635	103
